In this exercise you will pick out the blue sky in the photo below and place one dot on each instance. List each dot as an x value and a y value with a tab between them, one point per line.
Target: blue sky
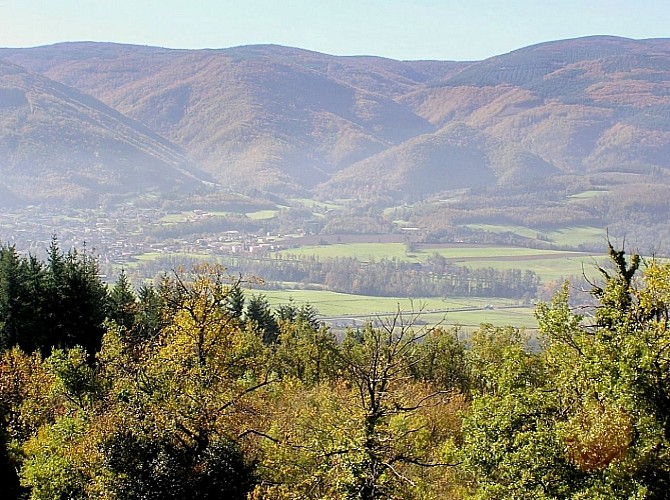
408	29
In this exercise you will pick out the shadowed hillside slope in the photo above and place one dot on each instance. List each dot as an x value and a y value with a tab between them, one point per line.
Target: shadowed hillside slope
274	117
59	145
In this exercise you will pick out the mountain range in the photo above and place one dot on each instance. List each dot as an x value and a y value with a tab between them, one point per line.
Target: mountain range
90	119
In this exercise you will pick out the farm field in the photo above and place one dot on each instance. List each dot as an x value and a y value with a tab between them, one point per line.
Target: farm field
468	312
548	269
261	214
585	195
572	236
577	235
502	228
421	251
341	309
361	251
548	264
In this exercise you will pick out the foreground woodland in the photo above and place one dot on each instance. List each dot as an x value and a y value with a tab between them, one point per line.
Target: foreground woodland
197	388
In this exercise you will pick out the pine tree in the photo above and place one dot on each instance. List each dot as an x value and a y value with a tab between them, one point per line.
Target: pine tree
75	301
123	302
235	301
260	315
21	300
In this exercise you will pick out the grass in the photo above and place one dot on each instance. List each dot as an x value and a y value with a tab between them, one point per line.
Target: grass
367	251
547	269
182	217
262	214
571	236
175	218
449	311
576	235
149	256
154	256
548	264
323	205
491	228
362	251
467	252
585	195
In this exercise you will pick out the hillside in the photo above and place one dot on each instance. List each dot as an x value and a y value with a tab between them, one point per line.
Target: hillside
63	147
584	105
278	118
597	107
455	157
291	121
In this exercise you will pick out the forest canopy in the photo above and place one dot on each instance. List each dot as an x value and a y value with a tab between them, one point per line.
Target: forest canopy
198	388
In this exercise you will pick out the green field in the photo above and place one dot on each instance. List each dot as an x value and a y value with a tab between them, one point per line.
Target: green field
586	195
182	217
321	205
465	252
367	251
464	311
502	228
568	236
546	269
176	218
574	236
361	251
262	214
548	264
154	256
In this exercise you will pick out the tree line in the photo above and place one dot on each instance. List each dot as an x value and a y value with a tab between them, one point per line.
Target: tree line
437	277
194	388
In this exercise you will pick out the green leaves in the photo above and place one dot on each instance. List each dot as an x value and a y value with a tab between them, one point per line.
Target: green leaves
197	401
587	416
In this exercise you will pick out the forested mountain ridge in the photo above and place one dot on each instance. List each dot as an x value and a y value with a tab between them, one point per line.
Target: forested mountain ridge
582	104
61	146
290	121
278	118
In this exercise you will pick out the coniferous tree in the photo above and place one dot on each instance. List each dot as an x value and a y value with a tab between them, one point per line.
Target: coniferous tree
260	314
149	318
123	302
75	301
10	284
287	312
21	300
235	302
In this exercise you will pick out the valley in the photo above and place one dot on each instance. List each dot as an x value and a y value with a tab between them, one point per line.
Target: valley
281	250
484	182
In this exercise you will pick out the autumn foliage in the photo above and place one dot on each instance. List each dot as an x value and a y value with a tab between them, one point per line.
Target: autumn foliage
199	389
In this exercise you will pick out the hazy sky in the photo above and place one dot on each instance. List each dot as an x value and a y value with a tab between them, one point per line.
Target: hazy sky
401	29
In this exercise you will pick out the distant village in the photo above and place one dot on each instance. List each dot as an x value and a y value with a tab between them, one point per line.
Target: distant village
122	235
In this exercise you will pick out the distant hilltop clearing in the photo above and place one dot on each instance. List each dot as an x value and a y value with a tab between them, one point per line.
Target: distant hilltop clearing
83	120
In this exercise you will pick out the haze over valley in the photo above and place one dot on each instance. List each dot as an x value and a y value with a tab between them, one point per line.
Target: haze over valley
155	156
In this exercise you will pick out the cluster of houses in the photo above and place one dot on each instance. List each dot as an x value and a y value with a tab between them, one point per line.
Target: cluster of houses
123	234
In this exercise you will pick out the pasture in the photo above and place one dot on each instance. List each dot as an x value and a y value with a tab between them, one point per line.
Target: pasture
468	312
571	236
548	264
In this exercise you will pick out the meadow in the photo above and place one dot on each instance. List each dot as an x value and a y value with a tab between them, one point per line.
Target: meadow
467	312
550	265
